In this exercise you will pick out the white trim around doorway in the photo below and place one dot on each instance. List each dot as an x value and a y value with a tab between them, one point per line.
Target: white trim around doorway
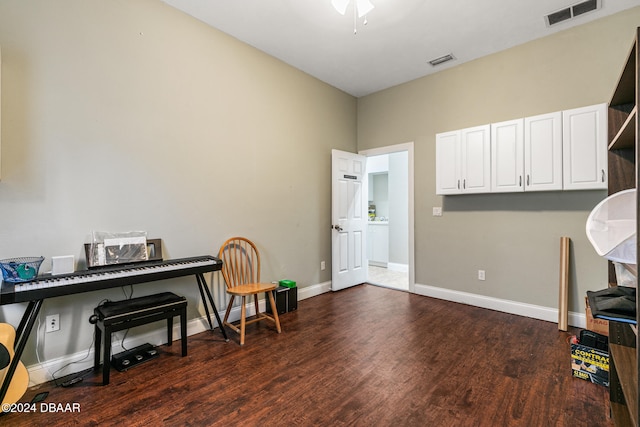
408	147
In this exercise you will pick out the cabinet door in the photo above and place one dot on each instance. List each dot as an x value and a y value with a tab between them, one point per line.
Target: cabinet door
448	179
543	152
475	145
381	250
379	244
507	156
584	146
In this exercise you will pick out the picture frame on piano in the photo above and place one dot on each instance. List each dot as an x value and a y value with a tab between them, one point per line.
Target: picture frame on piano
153	254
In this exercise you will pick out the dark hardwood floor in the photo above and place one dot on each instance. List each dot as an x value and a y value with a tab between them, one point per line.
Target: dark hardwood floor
364	356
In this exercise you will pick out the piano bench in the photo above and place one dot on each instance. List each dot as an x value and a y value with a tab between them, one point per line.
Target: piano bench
113	316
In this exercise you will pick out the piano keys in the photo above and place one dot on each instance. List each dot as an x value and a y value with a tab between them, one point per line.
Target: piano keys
104	278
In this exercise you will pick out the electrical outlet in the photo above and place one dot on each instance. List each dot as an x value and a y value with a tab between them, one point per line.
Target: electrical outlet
437	211
53	323
480	274
322	265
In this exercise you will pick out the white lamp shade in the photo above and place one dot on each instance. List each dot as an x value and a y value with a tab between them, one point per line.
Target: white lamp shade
611	227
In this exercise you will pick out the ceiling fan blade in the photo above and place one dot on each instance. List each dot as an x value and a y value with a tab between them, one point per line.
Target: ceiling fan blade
364	7
340	5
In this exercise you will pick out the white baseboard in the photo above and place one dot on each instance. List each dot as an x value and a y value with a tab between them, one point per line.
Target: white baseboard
314	290
507	306
71	363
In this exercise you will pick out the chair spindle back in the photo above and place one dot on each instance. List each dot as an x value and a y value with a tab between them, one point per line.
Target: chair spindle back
241	262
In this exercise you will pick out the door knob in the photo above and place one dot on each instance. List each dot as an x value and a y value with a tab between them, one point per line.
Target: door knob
337	227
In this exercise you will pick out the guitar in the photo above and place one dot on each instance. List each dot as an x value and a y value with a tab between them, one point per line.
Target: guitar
20	380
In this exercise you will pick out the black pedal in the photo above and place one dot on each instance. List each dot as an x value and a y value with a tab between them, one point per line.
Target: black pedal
133	357
71	382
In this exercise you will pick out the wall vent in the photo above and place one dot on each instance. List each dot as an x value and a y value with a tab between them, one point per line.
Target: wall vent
572	11
442	59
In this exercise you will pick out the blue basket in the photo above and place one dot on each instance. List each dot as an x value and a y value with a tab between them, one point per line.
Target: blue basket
18	270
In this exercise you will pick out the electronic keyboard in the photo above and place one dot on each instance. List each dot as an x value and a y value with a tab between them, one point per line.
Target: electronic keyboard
48	286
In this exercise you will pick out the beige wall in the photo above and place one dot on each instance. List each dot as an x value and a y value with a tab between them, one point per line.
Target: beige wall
514	237
130	115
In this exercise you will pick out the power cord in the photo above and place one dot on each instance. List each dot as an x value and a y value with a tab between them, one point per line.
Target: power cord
53	374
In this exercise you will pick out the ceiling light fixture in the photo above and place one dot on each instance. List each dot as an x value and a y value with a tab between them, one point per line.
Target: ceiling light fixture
360	9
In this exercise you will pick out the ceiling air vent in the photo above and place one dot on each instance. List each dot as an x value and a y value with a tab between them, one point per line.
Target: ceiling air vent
585	6
442	59
572	11
559	16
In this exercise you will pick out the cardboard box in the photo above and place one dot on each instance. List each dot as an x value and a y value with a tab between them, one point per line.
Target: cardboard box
599	326
590	364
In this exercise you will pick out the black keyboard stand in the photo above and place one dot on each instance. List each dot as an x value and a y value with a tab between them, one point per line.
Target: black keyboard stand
202	286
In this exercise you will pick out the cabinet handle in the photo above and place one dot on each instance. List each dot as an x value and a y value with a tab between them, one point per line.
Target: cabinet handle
520	182
528	181
464	184
458	184
602	175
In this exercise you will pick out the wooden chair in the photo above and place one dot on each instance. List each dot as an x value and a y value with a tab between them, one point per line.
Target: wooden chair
241	272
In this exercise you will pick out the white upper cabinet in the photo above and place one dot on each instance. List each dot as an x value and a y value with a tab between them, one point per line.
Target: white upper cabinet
507	156
543	152
565	150
448	179
463	162
526	154
475	144
584	143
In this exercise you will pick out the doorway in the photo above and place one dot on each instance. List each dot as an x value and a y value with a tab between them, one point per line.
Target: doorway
390	234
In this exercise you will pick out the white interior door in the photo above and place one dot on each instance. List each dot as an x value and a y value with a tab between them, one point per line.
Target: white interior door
348	219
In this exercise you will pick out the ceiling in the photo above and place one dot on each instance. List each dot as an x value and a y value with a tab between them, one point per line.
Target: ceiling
400	38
